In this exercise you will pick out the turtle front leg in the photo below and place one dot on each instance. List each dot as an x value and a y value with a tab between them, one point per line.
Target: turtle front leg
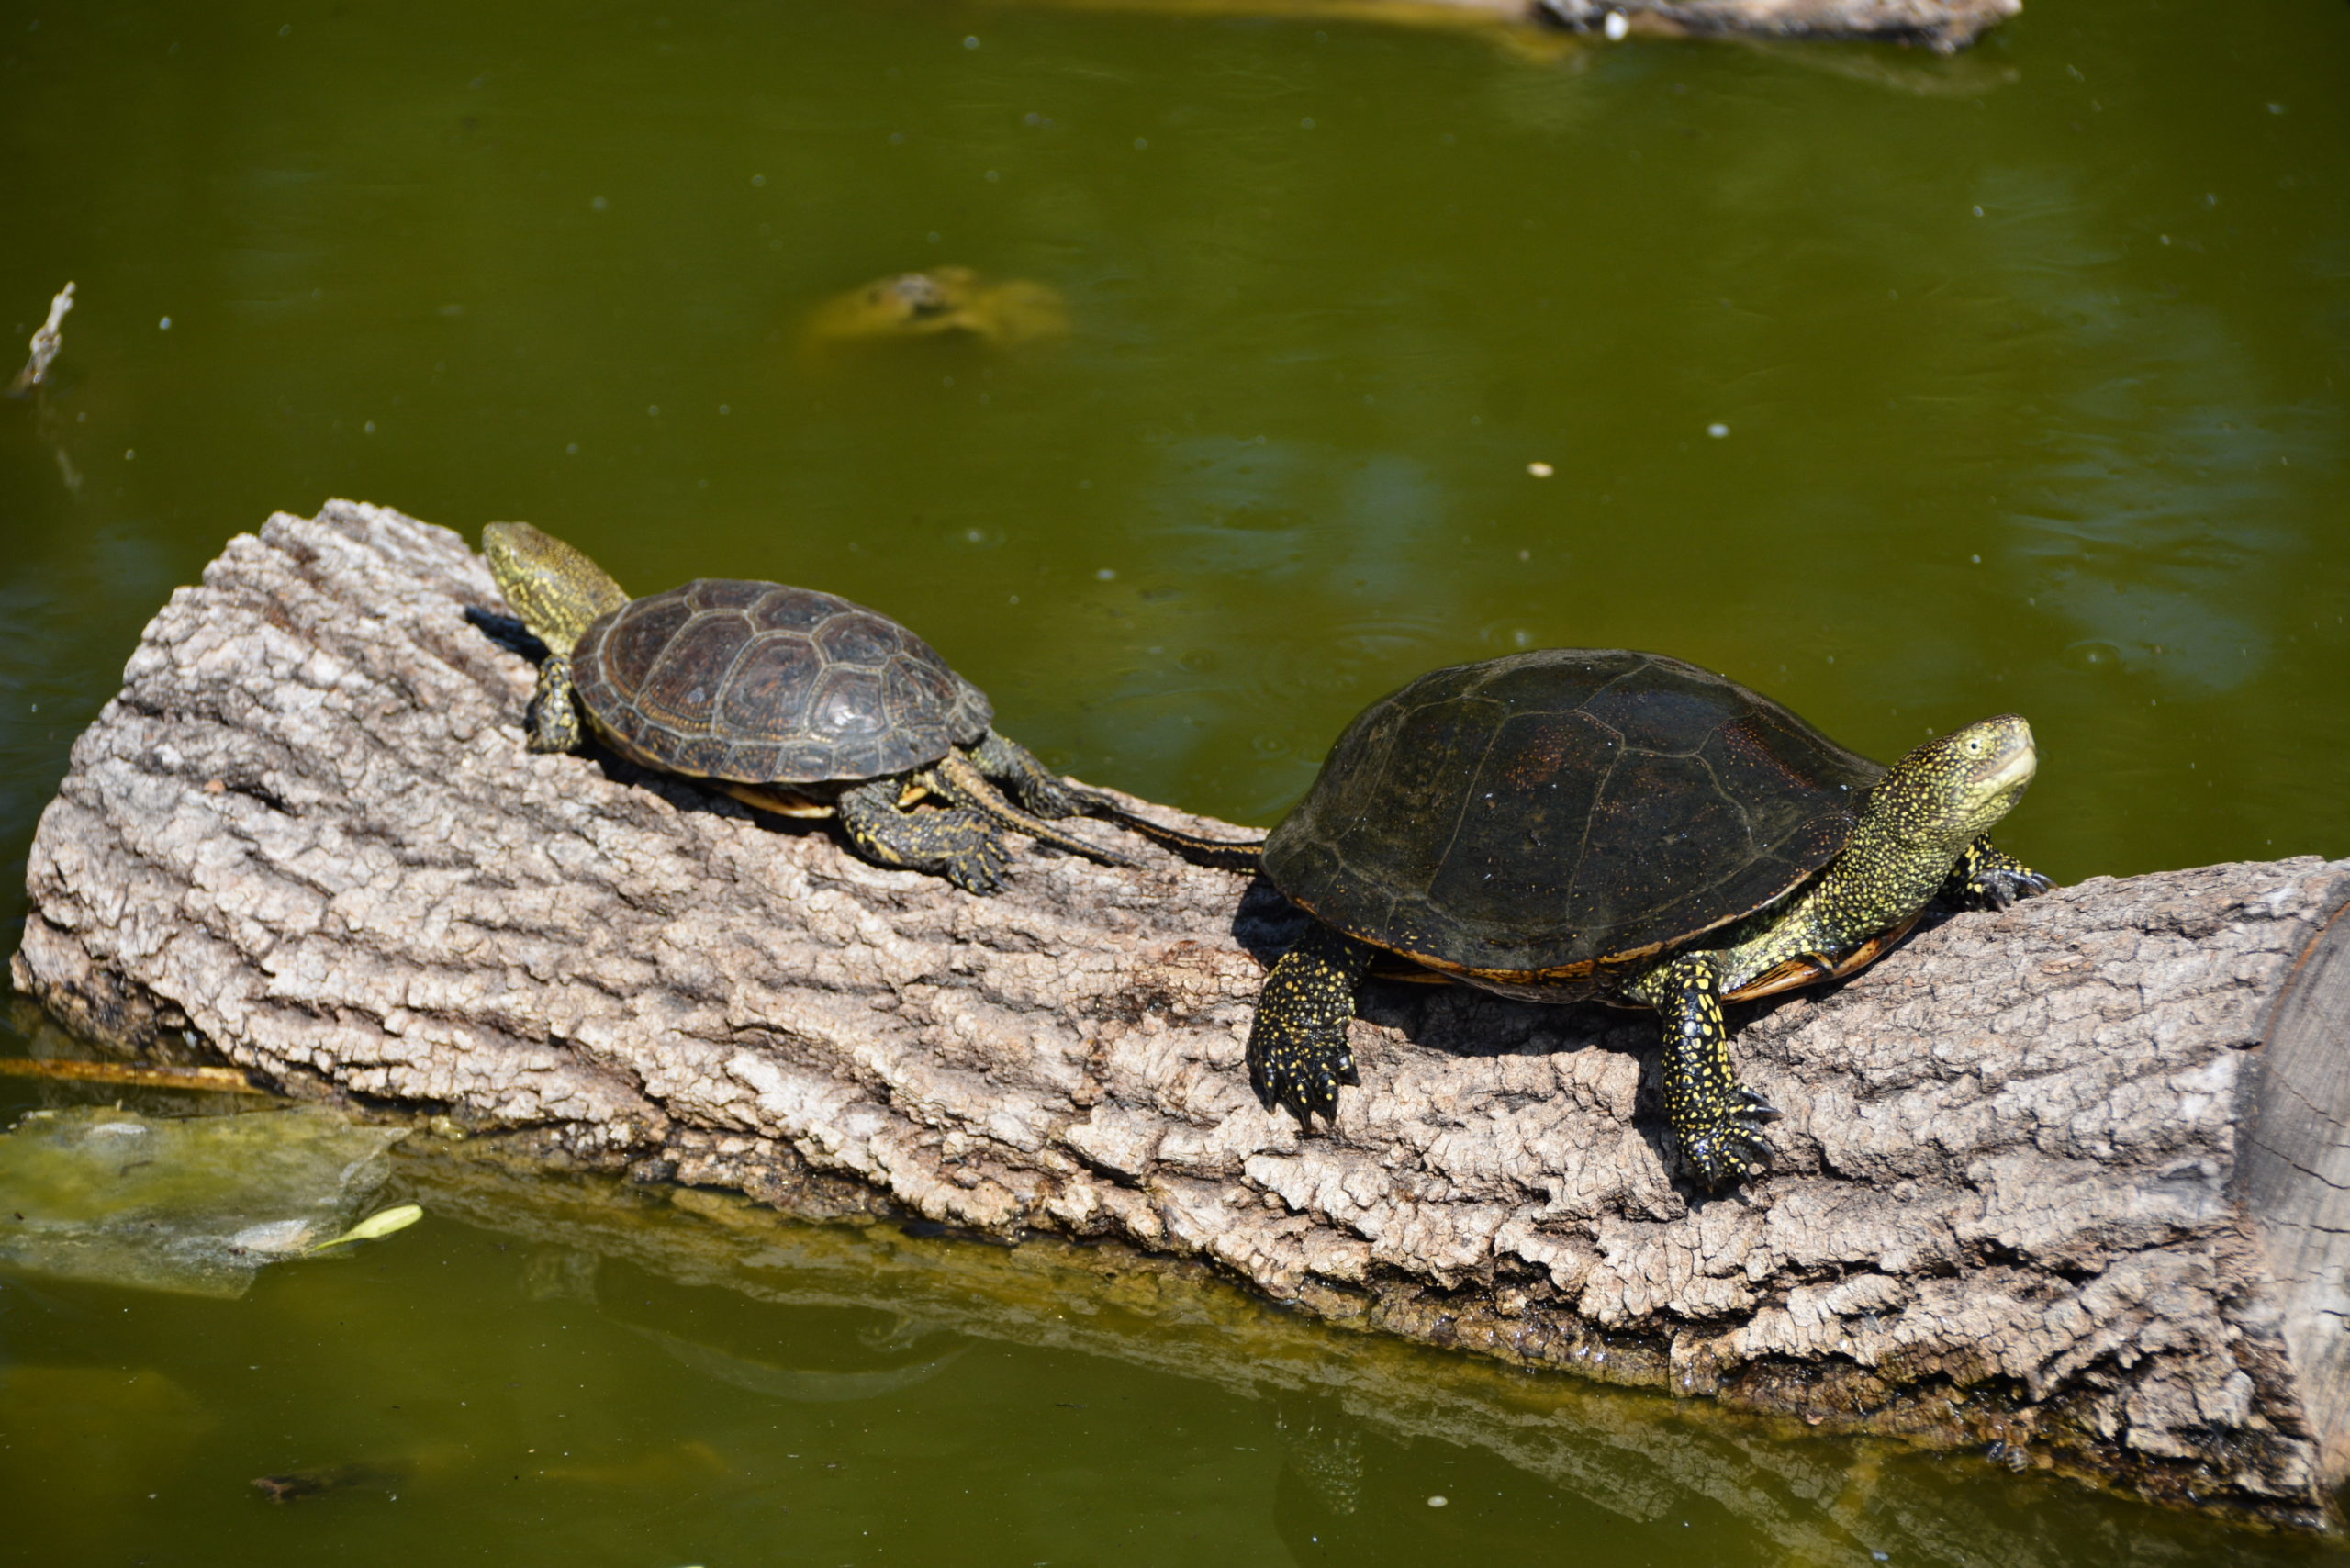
1298	1053
1718	1123
1989	877
956	843
552	721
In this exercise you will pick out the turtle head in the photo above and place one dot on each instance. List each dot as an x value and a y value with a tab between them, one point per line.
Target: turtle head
1954	788
557	592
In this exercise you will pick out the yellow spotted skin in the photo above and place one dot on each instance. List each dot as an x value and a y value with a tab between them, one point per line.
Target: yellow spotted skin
556	590
1922	834
1989	877
1298	1054
1718	1121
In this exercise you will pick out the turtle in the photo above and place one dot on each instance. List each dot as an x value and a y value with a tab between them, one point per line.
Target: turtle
944	302
1572	823
792	699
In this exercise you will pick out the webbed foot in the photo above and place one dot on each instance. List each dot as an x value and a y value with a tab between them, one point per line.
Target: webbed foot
1733	1148
550	723
1298	1052
1300	1068
1989	877
1014	768
955	842
976	859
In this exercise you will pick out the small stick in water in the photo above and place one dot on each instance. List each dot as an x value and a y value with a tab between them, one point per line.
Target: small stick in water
224	1080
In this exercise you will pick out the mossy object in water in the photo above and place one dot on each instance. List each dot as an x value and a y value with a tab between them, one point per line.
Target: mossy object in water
194	1206
947	302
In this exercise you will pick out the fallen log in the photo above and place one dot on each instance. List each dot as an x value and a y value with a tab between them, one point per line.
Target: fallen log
2068	1181
1943	25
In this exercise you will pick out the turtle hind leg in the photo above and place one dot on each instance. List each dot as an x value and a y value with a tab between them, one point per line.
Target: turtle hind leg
1298	1054
958	778
956	843
1014	768
1007	763
551	721
1987	876
1718	1123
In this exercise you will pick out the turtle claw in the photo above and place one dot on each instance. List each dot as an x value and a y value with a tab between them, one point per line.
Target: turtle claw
1989	877
1298	1052
2001	887
1729	1153
979	866
1733	1148
1301	1071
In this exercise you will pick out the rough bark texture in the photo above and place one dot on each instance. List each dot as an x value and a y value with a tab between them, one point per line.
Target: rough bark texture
2040	1182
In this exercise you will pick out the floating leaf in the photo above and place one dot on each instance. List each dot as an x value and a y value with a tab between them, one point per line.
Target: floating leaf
377	1224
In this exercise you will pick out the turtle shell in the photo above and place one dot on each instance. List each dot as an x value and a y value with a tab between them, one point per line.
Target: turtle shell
1531	819
757	683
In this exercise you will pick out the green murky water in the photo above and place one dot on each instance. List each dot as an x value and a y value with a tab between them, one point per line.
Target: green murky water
2029	376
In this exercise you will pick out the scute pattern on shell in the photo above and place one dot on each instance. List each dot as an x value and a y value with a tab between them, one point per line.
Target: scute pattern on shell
1539	813
758	683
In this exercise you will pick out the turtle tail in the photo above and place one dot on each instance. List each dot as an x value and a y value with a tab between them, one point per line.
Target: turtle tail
1222	854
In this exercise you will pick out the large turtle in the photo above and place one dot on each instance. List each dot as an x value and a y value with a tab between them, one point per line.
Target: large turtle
1572	823
790	699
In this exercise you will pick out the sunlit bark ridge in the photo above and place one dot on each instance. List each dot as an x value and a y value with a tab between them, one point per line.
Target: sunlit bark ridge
2069	1180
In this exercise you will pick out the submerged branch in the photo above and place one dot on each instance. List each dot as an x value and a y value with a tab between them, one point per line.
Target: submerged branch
133	1075
45	342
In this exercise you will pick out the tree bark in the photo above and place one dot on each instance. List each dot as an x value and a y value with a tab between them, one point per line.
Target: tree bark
2068	1180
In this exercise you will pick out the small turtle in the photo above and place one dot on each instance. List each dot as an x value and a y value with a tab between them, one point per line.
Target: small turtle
944	302
1575	824
789	699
